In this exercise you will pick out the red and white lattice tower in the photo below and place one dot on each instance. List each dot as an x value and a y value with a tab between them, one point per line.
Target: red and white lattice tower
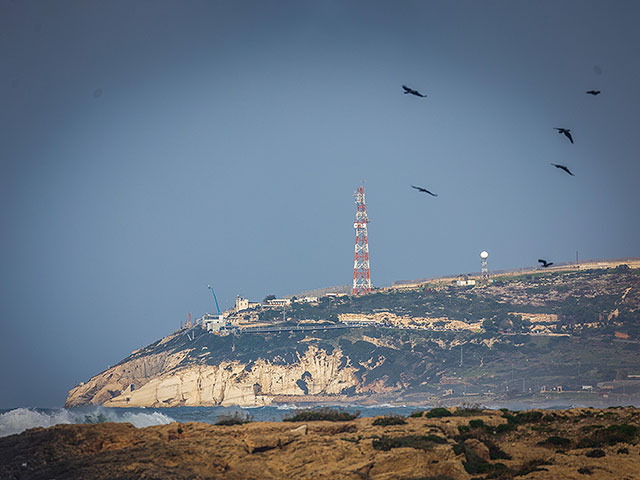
361	274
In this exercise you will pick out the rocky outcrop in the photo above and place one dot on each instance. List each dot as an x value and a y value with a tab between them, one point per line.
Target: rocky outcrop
357	449
130	384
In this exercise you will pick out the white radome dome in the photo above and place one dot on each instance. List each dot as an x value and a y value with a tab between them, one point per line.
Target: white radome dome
484	254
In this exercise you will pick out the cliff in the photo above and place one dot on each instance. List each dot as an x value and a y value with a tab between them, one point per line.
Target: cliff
162	380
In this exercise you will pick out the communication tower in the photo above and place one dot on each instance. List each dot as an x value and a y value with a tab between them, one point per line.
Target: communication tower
361	273
485	270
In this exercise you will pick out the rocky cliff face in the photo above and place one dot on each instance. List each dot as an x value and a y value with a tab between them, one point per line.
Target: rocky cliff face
161	381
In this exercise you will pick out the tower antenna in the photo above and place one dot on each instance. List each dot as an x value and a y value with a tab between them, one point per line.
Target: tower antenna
361	272
485	269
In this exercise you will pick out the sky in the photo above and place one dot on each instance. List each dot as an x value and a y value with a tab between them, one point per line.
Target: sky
149	149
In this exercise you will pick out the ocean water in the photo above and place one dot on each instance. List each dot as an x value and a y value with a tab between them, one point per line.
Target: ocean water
18	420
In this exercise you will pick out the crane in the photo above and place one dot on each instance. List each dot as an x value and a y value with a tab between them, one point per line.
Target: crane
214	297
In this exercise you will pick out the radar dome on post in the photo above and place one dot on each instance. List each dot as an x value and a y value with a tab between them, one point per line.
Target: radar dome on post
485	269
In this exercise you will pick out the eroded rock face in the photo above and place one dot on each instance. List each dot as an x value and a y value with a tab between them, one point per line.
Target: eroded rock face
229	383
126	376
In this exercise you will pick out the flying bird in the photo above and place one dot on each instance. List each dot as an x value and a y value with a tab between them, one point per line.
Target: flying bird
544	263
593	92
424	190
562	167
412	91
565	132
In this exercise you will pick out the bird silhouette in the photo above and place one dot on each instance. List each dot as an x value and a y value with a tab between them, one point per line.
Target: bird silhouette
562	167
424	190
544	263
565	132
412	91
593	92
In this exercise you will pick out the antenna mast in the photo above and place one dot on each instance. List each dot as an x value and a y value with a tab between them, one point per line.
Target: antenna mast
361	272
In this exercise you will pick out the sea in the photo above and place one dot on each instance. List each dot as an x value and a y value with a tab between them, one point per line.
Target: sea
17	420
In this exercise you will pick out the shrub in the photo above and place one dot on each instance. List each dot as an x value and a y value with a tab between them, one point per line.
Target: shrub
585	471
595	453
611	435
390	420
505	427
236	419
556	441
589	428
469	411
324	413
528	417
438	412
420	442
495	452
623	450
476	424
417	414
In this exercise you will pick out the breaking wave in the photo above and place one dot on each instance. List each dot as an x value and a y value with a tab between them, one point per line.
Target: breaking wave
21	419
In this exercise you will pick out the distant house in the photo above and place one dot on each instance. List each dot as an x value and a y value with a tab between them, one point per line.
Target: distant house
278	302
212	323
464	281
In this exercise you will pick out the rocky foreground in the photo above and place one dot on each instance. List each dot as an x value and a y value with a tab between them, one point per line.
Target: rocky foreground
449	444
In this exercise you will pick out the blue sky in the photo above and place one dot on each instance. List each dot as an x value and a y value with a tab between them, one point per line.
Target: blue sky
149	149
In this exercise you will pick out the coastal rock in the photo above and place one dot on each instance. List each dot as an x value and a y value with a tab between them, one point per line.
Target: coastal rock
164	382
271	450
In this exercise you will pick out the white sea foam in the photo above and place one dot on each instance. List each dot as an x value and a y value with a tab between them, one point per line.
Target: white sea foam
21	419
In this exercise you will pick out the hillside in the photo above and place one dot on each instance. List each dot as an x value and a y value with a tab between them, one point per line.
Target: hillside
518	338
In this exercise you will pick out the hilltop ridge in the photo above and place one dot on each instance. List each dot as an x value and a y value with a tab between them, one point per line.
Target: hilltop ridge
544	336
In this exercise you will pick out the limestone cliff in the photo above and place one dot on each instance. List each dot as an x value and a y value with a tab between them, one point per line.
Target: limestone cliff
161	380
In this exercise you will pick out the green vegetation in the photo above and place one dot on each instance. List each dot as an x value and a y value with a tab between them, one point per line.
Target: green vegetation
611	435
556	441
595	453
438	412
236	419
420	442
390	420
322	414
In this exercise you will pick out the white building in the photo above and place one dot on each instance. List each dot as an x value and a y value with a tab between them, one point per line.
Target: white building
244	304
279	302
212	323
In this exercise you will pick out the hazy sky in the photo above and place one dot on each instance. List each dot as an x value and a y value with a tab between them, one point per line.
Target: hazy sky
148	149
